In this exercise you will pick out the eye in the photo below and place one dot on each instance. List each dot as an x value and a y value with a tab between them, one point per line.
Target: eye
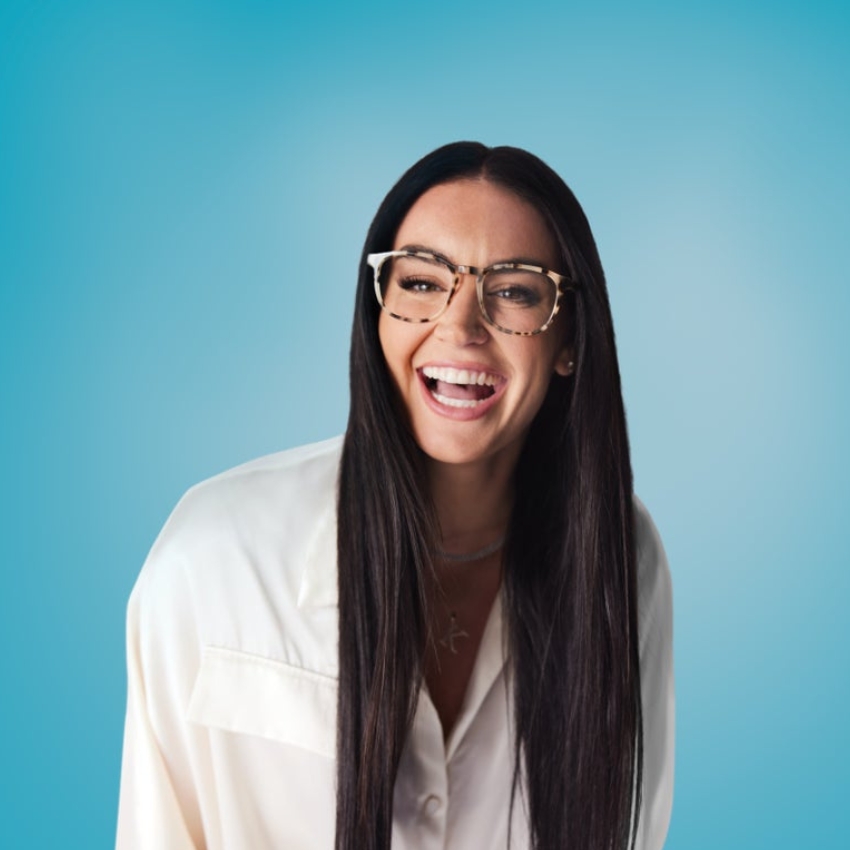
516	294
420	285
518	289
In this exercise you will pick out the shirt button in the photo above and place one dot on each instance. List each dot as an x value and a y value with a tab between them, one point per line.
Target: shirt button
432	804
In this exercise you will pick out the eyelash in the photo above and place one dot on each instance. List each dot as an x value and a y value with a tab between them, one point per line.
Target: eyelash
524	294
409	284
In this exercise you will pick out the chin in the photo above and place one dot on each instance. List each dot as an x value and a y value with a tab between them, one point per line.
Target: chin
466	451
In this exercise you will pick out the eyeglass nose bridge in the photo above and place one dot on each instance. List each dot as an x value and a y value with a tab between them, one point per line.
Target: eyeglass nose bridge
475	272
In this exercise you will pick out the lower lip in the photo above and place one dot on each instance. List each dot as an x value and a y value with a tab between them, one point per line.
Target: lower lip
463	414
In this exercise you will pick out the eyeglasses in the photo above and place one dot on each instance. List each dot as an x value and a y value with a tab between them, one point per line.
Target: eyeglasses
515	298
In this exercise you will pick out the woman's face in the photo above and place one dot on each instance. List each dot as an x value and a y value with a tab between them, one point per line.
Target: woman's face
482	415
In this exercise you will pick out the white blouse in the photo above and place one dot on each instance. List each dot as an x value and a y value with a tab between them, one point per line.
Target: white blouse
232	666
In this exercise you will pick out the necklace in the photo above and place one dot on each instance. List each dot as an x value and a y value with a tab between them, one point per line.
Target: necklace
452	633
489	549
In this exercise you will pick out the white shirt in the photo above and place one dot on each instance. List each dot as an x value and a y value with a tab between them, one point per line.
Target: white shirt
232	666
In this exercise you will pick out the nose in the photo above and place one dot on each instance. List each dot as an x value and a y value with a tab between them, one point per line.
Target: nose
462	322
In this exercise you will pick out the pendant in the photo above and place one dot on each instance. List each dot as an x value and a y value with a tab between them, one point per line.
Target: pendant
452	633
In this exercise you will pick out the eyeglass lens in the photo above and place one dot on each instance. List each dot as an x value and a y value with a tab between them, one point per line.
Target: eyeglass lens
418	288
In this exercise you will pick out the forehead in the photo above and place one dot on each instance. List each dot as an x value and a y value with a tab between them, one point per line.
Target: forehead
475	222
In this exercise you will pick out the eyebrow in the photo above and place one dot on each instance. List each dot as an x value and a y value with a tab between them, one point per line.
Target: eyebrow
526	261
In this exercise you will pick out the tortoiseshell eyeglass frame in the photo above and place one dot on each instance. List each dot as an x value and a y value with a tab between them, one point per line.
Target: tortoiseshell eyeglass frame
562	284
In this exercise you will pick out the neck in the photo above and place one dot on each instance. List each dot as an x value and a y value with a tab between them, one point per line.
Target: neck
473	502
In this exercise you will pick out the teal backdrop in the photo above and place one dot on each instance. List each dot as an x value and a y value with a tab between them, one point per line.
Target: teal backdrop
184	190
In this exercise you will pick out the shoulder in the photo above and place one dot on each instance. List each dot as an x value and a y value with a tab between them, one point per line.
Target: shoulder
298	480
650	550
654	585
229	563
285	491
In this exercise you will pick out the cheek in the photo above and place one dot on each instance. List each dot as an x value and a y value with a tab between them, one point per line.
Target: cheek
400	341
541	371
558	352
540	359
396	346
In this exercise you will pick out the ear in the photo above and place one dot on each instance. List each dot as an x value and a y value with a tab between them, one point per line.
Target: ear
564	364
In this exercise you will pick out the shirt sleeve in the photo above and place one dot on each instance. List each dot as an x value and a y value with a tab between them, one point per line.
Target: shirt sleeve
158	808
655	616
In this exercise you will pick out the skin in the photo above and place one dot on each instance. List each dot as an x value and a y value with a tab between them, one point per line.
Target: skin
471	459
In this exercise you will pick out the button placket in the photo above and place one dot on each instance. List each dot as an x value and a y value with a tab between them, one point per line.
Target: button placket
433	790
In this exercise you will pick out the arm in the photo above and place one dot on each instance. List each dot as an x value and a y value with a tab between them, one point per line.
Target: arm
158	809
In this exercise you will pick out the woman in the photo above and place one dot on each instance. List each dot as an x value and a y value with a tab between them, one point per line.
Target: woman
457	632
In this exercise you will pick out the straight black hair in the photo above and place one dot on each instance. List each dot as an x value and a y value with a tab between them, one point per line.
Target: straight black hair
570	584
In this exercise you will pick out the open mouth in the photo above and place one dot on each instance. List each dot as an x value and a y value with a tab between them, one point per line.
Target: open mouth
460	387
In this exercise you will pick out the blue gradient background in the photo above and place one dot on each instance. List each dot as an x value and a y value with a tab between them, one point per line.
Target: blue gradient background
184	189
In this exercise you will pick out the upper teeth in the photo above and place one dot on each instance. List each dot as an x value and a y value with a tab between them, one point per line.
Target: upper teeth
460	376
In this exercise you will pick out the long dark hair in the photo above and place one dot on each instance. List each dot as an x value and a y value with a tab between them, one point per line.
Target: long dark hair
569	559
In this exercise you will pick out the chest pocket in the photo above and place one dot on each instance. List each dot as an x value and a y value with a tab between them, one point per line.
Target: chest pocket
252	695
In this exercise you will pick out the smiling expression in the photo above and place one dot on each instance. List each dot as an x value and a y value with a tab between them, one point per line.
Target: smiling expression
470	391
